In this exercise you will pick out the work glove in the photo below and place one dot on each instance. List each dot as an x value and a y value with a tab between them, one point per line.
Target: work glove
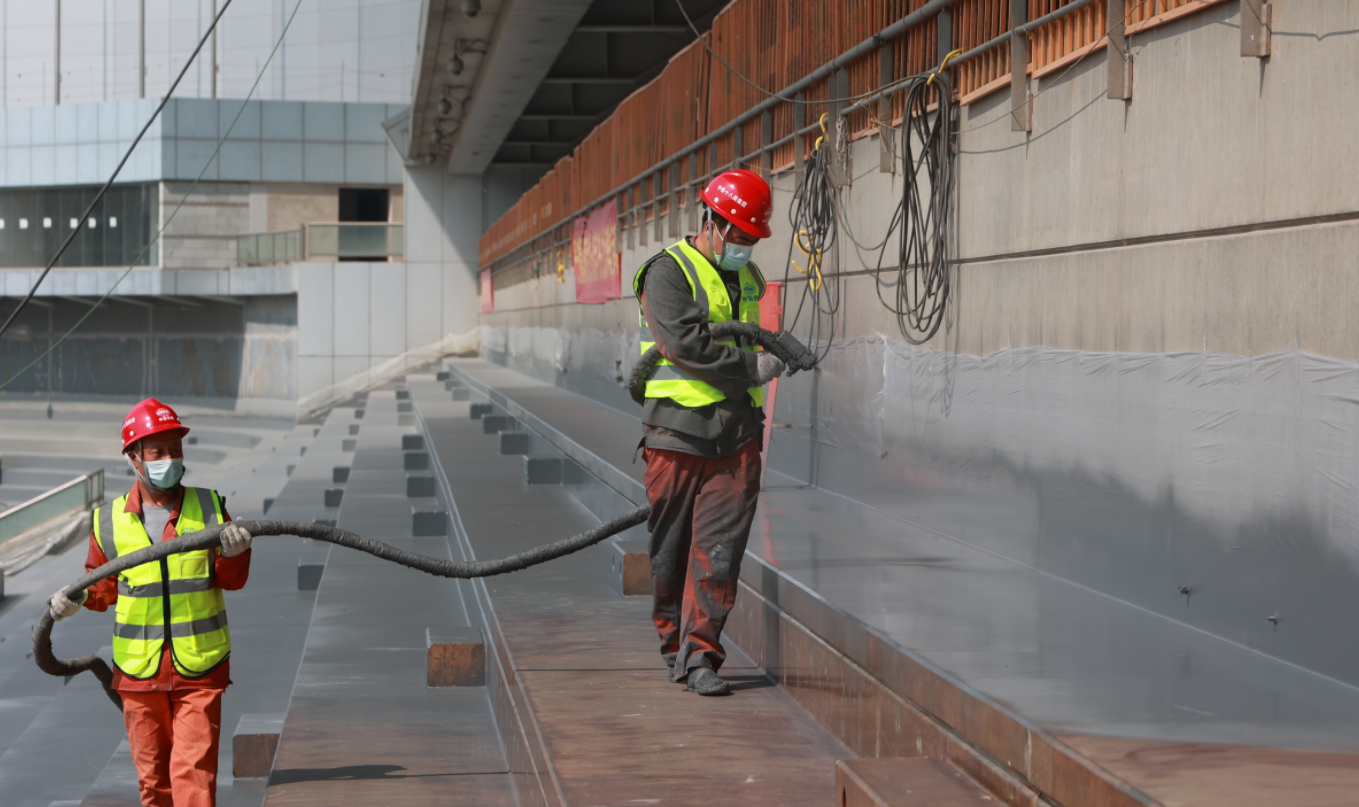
768	368
61	606
235	540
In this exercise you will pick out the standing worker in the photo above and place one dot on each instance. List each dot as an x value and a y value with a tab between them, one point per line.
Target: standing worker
703	423
171	690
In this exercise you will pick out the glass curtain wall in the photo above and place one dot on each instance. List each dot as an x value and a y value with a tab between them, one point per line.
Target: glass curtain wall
35	221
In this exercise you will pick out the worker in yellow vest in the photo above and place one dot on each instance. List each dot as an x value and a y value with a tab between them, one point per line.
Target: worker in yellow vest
703	423
171	643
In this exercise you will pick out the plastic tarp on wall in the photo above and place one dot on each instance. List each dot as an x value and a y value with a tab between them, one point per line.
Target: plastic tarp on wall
1131	474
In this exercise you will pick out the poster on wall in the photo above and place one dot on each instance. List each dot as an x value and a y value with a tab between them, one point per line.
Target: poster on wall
594	252
487	292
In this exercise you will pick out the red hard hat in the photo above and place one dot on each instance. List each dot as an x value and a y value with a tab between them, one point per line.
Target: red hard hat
743	199
150	417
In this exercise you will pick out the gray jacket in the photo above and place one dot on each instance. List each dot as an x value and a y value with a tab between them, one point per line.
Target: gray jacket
680	328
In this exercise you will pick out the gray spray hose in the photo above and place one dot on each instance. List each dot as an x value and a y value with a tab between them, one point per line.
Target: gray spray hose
785	346
211	537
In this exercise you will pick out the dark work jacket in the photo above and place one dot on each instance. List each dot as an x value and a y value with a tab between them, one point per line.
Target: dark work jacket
680	329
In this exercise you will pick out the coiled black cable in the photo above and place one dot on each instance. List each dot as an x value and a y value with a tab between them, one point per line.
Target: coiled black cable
815	225
920	290
211	537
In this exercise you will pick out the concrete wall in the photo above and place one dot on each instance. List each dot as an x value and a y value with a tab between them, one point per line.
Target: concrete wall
273	141
238	354
1151	330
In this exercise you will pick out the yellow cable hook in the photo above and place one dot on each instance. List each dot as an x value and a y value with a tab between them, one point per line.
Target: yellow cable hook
942	65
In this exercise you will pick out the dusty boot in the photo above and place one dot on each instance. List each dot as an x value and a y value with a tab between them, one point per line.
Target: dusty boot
706	682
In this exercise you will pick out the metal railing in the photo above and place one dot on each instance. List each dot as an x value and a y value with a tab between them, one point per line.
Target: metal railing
80	493
1054	32
375	241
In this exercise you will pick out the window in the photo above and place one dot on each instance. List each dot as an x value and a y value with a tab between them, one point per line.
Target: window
115	233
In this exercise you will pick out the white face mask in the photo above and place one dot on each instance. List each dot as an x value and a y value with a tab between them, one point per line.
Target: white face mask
162	475
734	257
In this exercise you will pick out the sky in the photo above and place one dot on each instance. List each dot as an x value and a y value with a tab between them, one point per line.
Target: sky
336	50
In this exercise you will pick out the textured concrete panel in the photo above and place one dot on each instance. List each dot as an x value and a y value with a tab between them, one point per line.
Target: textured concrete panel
281	161
323	121
387	294
281	120
352	310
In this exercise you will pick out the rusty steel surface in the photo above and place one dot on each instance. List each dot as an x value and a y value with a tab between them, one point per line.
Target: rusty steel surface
614	729
905	782
1221	775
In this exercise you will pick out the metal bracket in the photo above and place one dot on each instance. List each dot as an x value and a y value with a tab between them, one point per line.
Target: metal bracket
1021	110
1257	20
1120	58
838	173
887	159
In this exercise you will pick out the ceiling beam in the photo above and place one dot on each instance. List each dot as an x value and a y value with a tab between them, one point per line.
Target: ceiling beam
509	75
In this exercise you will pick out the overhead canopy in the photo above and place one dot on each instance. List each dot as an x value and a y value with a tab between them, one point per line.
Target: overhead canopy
523	81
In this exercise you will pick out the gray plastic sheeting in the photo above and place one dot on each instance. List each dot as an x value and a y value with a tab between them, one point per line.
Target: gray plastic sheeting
1131	474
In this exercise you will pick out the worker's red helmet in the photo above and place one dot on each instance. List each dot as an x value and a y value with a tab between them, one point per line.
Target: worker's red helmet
743	199
150	417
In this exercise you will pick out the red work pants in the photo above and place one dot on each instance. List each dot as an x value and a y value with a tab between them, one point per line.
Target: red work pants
174	737
701	512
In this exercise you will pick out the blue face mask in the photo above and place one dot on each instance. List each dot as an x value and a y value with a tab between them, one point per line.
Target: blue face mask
734	256
163	474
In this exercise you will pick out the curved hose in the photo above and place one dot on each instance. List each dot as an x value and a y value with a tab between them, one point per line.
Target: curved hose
211	537
785	346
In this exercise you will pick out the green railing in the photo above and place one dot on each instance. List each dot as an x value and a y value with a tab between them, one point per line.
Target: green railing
374	241
258	249
80	493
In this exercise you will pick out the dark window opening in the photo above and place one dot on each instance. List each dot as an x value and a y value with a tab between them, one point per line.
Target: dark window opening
368	206
364	204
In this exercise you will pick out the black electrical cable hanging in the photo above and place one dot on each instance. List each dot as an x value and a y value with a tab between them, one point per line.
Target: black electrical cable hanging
815	231
80	225
926	213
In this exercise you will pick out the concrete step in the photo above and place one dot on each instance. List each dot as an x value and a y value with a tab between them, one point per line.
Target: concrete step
368	657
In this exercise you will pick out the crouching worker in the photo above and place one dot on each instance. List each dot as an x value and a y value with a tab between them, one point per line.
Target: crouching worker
171	643
703	423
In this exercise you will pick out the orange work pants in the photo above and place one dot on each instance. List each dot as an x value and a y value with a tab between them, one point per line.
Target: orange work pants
174	737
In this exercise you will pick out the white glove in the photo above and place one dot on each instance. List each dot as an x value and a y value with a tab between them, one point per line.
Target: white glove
235	540
769	367
61	606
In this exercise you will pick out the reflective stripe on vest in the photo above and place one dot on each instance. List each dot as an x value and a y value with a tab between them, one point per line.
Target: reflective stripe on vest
180	589
668	380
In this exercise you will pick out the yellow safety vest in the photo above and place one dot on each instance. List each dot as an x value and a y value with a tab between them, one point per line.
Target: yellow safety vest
178	593
705	282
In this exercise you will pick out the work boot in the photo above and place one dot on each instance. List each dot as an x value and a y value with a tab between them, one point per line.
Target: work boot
706	682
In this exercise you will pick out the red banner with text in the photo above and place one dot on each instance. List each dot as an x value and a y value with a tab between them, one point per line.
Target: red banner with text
594	252
487	292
